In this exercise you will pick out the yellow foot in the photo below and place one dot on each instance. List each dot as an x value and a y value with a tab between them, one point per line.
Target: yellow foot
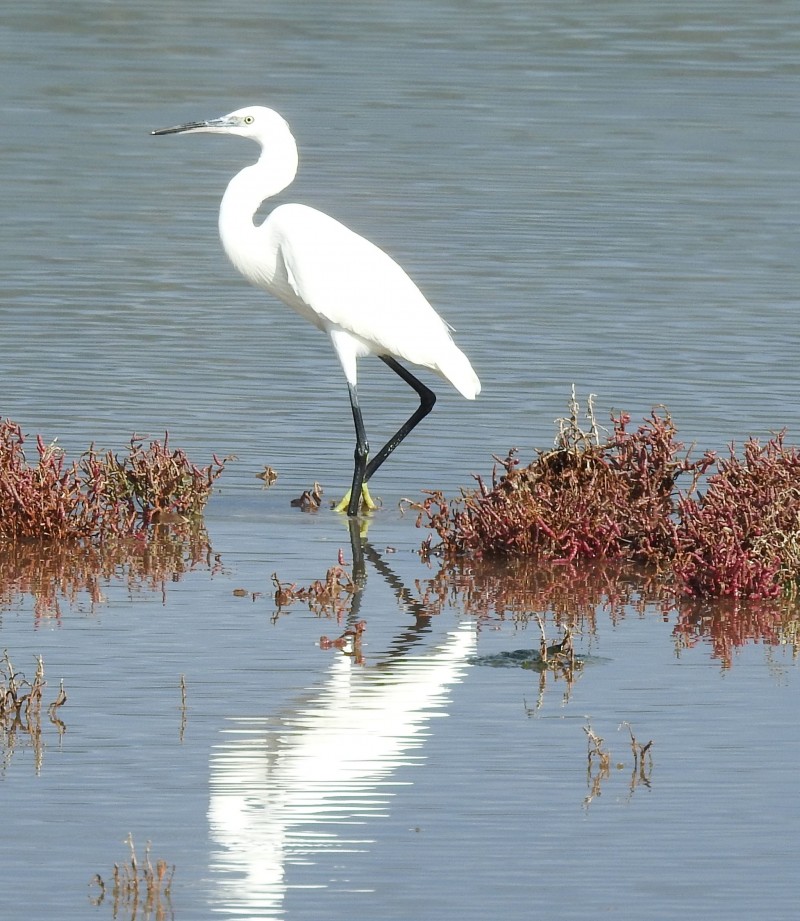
367	502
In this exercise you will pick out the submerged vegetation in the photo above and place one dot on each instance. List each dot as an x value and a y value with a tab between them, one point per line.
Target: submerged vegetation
138	888
21	711
619	498
328	597
598	769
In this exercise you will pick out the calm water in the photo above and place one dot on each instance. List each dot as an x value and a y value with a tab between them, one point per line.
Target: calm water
604	194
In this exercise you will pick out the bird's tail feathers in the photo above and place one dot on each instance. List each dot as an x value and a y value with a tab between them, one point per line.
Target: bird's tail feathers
460	373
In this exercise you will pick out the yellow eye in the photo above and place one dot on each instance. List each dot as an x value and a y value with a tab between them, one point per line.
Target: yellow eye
248	119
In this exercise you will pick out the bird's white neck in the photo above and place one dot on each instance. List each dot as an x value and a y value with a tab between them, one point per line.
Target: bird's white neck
274	171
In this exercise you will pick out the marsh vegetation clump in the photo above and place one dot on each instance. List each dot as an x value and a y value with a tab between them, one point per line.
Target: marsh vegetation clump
741	537
101	495
709	527
588	498
68	527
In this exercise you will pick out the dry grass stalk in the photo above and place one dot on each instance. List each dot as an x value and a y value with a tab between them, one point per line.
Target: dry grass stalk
147	888
599	763
184	708
21	709
557	661
641	753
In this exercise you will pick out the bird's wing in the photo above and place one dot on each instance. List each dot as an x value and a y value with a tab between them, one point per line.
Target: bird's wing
340	280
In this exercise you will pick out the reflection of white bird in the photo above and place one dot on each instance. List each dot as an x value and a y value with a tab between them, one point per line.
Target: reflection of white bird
311	780
337	280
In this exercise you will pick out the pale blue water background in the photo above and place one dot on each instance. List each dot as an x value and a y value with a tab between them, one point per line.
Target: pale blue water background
598	193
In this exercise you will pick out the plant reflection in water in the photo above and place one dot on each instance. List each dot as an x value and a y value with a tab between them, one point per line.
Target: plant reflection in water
575	595
75	572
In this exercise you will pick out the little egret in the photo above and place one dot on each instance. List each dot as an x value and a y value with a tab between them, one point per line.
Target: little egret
343	284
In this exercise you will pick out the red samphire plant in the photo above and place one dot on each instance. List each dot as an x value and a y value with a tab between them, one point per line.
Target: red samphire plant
618	499
100	495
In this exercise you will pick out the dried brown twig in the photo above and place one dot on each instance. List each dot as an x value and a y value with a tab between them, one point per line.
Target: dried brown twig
21	709
148	887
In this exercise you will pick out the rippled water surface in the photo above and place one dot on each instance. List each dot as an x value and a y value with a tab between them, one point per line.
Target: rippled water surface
604	194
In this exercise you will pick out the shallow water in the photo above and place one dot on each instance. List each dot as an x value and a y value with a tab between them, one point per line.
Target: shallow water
589	194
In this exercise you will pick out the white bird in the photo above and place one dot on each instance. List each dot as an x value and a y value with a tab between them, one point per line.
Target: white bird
339	281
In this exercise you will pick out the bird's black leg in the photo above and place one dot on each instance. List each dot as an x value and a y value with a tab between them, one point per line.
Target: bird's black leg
360	455
427	398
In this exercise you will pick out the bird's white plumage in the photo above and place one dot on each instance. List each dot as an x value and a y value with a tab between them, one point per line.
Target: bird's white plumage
330	275
340	282
344	283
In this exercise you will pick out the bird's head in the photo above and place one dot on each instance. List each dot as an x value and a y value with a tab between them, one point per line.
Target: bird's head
256	122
